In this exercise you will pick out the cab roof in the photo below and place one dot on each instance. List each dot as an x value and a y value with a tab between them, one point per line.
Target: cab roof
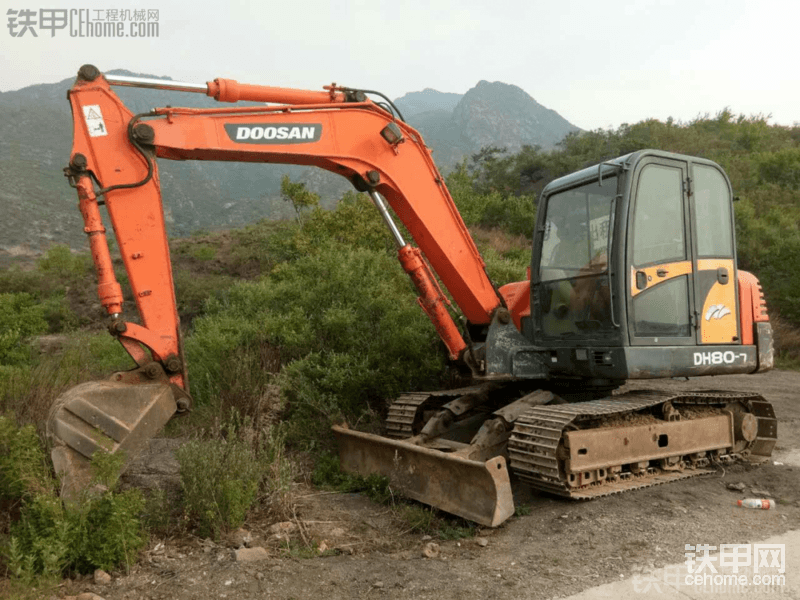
611	167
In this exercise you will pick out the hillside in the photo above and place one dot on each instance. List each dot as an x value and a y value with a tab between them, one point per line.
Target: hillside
490	114
38	208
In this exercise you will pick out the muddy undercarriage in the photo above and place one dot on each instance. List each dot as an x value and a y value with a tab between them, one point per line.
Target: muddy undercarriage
459	450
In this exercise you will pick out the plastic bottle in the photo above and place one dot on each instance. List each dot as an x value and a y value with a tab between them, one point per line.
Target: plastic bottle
762	503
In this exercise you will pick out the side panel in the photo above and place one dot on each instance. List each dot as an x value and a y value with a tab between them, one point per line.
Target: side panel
716	301
681	361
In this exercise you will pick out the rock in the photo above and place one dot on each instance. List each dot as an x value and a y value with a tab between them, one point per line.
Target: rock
89	596
156	469
431	550
739	487
251	554
760	493
378	584
482	542
426	538
239	538
101	577
565	516
51	344
283	527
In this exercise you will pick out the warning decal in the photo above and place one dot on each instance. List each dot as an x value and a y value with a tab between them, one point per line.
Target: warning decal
94	120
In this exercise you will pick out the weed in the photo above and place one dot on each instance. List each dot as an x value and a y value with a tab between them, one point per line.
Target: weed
328	473
219	479
28	391
223	477
412	516
522	510
158	513
51	537
297	549
417	518
20	318
453	528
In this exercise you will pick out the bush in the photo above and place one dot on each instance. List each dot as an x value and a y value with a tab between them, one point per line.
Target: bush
222	477
28	390
344	323
60	262
24	471
20	318
52	537
219	479
512	213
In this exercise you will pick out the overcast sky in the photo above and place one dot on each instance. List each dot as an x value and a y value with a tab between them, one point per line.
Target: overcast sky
598	63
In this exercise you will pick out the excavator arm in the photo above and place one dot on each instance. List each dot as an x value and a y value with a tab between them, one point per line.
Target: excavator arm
113	163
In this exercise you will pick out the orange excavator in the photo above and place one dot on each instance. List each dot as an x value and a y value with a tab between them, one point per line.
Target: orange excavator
633	276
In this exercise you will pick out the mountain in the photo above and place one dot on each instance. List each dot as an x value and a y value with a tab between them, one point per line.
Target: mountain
414	103
505	115
37	207
490	114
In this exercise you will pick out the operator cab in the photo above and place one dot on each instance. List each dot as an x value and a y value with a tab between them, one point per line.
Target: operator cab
639	253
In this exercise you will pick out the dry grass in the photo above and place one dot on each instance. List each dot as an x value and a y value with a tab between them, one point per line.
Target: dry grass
787	342
28	394
500	240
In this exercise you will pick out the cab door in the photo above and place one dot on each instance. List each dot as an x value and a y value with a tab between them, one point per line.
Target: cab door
660	280
715	278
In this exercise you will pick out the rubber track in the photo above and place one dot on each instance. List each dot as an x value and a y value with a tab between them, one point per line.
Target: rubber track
536	436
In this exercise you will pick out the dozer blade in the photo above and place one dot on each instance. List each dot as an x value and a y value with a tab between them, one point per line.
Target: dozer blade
108	415
478	491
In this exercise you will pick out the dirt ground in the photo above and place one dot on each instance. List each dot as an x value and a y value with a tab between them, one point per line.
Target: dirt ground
557	548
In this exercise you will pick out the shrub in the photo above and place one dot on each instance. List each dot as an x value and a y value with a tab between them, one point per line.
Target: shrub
28	390
60	262
219	479
354	222
344	323
222	477
24	470
52	537
20	318
512	213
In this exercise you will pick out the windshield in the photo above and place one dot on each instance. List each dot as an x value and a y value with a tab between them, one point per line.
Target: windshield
574	286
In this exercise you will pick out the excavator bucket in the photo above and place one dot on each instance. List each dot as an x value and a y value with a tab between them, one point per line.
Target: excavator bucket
108	415
478	491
